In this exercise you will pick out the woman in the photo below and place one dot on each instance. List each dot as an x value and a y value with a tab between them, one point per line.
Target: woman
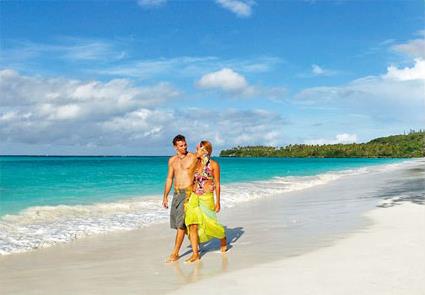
200	208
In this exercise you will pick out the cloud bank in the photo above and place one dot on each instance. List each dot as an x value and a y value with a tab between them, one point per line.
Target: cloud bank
90	114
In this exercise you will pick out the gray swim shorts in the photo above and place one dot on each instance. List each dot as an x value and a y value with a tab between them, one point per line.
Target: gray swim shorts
177	209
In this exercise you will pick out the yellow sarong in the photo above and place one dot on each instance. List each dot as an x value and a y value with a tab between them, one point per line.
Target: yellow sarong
200	210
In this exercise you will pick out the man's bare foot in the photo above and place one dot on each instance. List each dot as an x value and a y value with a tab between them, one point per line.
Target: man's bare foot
193	258
172	258
223	245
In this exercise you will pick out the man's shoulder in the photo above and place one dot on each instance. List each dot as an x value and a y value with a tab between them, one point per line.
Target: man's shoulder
172	159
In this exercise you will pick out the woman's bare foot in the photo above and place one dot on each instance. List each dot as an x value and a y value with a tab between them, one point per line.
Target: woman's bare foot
172	258
193	258
223	245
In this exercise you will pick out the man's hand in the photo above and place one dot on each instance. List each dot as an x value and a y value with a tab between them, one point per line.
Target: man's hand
165	202
217	207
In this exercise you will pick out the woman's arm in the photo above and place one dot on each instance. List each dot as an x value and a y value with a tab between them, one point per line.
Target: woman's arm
216	174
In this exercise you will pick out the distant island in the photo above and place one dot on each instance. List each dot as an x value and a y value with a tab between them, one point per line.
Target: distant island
411	145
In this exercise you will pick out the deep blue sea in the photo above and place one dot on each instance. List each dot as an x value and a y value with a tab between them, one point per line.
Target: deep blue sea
46	200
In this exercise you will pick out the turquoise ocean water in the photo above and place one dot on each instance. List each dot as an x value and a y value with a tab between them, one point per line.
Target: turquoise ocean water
48	200
37	181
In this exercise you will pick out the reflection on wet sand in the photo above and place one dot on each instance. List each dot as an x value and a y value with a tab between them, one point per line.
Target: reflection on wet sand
195	272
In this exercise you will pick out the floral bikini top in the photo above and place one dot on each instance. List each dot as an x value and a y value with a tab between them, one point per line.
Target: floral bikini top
201	178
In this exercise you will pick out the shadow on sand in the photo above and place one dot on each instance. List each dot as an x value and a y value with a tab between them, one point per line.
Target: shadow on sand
232	234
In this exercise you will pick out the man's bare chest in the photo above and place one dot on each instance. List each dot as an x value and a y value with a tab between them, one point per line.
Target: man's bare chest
182	165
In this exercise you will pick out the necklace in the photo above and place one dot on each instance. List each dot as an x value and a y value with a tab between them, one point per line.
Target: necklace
181	158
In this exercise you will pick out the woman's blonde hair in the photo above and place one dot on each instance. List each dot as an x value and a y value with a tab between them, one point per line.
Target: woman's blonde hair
208	146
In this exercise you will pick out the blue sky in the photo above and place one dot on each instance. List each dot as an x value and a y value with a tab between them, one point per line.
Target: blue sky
123	77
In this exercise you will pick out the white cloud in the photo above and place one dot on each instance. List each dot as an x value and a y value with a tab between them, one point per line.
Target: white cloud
225	79
236	127
65	112
255	65
151	3
62	111
143	69
242	8
276	94
339	138
67	48
317	70
395	98
346	138
417	72
79	115
117	94
413	48
229	127
116	62
187	66
234	84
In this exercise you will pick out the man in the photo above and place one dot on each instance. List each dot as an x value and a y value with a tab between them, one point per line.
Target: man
180	171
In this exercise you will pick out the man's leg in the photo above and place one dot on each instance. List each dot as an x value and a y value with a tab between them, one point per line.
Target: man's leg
180	233
193	236
177	222
179	240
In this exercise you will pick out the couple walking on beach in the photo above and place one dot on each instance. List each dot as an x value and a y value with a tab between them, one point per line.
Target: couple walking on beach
193	209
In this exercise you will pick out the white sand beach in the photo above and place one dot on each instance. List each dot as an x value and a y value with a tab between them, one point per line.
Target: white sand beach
386	258
327	239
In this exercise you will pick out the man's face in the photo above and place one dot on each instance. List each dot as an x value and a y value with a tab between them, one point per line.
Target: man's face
181	147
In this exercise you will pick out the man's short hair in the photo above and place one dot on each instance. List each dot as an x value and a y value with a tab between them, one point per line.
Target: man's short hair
178	138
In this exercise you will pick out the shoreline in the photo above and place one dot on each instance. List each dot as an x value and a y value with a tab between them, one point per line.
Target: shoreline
66	223
260	232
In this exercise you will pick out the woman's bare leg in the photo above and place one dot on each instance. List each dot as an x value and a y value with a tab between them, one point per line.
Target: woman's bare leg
223	244
193	236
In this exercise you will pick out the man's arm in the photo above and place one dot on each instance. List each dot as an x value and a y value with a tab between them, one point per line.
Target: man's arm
168	183
194	157
216	174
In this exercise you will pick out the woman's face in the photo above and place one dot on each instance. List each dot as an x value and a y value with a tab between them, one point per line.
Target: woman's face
202	150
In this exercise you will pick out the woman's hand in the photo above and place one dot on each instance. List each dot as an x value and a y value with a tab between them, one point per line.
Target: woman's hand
217	207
